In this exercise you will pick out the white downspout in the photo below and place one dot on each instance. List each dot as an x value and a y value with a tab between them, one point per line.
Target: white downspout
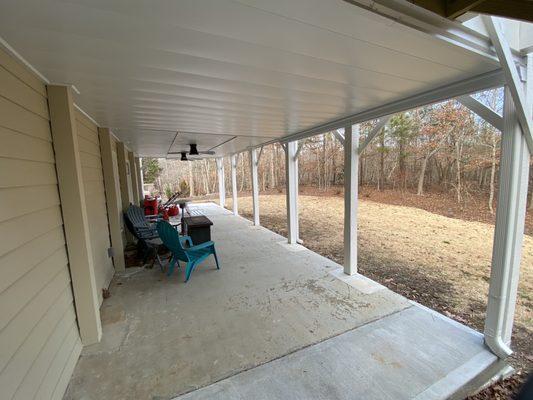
508	233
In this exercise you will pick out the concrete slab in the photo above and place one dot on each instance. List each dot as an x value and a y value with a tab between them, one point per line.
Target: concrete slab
271	323
411	354
163	337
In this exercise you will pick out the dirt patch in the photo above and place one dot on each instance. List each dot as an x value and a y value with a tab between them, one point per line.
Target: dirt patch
440	262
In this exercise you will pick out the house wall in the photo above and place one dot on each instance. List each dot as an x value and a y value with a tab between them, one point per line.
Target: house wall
39	339
93	182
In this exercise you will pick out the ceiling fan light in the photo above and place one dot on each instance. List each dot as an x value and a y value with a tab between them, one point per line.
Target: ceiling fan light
194	150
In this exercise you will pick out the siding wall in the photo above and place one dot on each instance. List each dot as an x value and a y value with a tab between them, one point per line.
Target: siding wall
39	340
93	181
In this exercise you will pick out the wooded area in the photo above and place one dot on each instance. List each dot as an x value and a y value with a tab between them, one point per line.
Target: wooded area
442	147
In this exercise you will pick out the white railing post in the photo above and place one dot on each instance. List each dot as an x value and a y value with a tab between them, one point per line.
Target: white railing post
291	183
351	184
255	185
508	232
221	182
234	183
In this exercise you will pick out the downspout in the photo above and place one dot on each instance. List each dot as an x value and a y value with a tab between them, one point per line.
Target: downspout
508	233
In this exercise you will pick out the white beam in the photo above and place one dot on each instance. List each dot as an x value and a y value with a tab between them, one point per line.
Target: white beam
221	182
482	110
291	182
351	183
339	135
255	185
480	82
374	132
511	76
234	159
260	154
298	150
508	232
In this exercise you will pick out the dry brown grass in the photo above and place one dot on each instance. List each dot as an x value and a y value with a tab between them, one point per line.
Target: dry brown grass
441	262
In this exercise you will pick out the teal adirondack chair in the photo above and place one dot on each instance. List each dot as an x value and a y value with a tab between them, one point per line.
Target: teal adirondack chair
191	255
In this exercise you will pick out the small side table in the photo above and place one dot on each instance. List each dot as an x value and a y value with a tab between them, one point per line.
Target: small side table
198	228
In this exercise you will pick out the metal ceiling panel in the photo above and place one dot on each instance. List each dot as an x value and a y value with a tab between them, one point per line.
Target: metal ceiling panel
254	69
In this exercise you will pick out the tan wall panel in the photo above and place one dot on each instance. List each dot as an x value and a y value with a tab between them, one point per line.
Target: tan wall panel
93	181
62	328
22	72
17	118
15	231
24	147
15	173
19	93
36	303
24	258
15	297
23	200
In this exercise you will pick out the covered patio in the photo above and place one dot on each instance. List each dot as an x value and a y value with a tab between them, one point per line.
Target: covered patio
290	318
90	87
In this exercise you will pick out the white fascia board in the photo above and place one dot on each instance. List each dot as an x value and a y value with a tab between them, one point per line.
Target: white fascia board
422	20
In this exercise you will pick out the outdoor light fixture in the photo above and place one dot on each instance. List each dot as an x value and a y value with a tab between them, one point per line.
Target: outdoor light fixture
194	150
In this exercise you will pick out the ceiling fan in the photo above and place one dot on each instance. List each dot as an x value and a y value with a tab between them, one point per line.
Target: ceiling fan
193	151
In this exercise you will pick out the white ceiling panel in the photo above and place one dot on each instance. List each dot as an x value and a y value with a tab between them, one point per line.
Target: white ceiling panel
217	69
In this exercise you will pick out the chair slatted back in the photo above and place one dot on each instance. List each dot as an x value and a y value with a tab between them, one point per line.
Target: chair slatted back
171	239
136	216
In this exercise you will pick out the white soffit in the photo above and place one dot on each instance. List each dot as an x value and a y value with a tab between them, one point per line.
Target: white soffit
250	69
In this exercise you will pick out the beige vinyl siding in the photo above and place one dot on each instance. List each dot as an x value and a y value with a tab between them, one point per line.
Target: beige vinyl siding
39	340
93	182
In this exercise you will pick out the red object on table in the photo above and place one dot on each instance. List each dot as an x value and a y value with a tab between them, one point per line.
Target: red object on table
150	206
173	210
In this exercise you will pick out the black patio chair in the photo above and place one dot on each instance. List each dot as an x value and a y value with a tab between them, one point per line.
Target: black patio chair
148	241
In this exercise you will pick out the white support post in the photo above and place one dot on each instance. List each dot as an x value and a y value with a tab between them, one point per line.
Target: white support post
351	185
234	184
512	78
254	161
508	232
221	182
291	183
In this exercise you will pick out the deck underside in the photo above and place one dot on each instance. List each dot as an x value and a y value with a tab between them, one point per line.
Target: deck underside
277	321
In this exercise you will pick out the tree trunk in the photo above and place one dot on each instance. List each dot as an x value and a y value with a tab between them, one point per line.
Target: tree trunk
422	175
492	173
381	178
458	168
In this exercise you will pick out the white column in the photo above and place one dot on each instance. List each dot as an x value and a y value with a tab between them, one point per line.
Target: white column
234	183
291	183
74	210
141	176
351	184
508	232
134	178
255	185
221	182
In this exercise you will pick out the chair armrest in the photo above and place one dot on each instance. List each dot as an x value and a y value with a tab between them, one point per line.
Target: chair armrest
186	239
152	218
202	245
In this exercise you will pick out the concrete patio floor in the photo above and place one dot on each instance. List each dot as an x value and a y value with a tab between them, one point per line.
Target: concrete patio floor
276	321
